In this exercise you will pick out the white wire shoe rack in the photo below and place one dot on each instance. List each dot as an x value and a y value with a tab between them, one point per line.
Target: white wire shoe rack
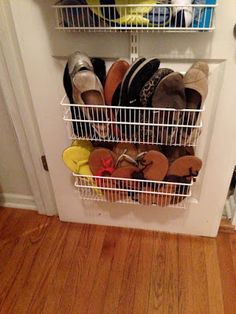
160	126
164	16
133	191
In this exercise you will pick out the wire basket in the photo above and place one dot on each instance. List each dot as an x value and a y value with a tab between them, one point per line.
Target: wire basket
133	191
135	17
161	126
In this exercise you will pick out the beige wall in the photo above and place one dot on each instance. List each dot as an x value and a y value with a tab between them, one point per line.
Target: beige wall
13	178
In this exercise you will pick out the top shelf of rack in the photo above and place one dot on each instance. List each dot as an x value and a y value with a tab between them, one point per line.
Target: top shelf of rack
89	16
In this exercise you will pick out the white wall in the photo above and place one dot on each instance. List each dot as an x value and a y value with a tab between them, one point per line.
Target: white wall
14	185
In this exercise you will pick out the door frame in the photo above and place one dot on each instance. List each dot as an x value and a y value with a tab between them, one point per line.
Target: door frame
18	101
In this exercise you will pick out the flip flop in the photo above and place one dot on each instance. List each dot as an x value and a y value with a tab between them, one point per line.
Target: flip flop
126	173
154	165
102	162
114	78
76	157
164	200
174	152
145	197
187	167
126	154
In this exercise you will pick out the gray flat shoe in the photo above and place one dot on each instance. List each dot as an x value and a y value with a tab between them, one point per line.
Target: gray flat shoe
78	61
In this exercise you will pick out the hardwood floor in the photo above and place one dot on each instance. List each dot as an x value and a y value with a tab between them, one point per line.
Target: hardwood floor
51	267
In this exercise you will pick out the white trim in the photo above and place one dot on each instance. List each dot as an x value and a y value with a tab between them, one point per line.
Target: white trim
17	201
18	100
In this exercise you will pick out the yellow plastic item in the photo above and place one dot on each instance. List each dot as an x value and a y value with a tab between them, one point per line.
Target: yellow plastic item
129	15
76	159
85	144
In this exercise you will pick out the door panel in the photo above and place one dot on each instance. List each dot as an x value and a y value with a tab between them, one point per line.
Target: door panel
44	52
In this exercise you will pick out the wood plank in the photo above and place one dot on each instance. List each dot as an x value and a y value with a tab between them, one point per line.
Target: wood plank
199	276
111	300
171	275
227	272
127	292
100	285
215	297
83	271
157	280
144	273
233	251
185	267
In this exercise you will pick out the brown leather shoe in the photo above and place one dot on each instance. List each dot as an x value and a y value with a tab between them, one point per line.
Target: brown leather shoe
114	78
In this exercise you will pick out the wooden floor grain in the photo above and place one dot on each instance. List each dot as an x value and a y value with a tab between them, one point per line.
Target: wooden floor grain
47	266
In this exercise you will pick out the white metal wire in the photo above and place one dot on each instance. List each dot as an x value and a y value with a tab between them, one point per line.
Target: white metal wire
132	191
162	126
135	17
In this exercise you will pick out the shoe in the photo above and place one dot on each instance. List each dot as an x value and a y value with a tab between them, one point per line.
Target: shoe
196	85
139	78
76	157
149	87
170	92
78	61
174	152
125	115
99	68
187	167
125	82
87	91
126	172
126	154
102	162
196	90
114	78
182	16
154	165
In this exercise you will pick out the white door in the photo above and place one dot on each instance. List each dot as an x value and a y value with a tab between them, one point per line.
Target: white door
44	50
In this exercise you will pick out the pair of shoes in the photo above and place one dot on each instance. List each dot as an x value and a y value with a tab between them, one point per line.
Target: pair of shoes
87	91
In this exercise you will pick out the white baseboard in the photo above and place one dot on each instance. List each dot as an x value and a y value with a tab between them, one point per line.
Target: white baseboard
17	201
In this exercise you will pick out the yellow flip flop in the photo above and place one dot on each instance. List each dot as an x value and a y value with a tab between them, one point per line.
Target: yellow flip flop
76	159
